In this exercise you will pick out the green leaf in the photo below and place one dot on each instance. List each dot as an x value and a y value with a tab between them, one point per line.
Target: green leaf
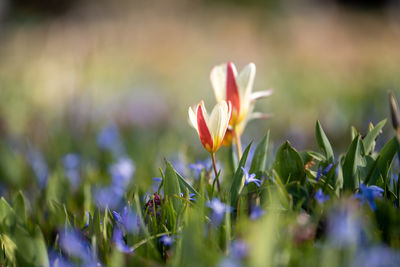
369	140
238	182
353	132
384	161
260	155
172	186
323	143
289	165
19	207
183	184
350	181
7	214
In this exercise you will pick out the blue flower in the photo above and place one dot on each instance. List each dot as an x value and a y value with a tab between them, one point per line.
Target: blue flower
199	166
344	228
239	249
57	259
156	184
321	173
250	178
256	213
75	245
109	197
166	240
218	209
109	139
87	219
320	197
122	172
368	194
191	196
38	165
127	221
377	256
229	262
120	244
71	168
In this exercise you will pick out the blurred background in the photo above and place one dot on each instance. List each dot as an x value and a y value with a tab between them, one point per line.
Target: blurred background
70	67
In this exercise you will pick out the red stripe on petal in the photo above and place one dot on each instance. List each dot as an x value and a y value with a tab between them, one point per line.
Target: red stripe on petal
232	92
204	132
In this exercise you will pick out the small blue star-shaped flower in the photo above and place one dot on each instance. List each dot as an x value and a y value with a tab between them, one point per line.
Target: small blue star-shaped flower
320	197
368	194
218	210
166	240
250	178
191	196
256	213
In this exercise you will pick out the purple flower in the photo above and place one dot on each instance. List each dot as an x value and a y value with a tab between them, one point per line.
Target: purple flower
377	256
166	240
256	213
218	209
239	249
250	178
368	194
320	197
120	244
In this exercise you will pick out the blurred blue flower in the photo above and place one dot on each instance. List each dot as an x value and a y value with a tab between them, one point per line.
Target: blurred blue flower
56	259
38	165
122	172
199	166
239	249
109	139
156	183
250	178
166	240
256	213
127	221
178	162
344	228
87	219
377	256
191	196
75	245
109	197
229	262
71	164
368	194
218	209
120	244
320	197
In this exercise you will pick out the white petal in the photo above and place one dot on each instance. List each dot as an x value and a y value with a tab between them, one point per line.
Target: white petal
218	81
261	94
193	117
219	122
245	80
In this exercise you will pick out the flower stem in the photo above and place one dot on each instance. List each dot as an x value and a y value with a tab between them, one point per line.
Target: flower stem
238	144
216	172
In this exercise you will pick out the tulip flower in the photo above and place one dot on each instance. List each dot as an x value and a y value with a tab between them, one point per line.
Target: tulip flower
237	88
211	129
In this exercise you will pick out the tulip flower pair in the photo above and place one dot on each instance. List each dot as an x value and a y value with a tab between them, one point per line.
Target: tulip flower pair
234	108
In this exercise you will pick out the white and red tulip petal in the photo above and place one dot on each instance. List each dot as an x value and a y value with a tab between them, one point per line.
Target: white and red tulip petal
202	127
